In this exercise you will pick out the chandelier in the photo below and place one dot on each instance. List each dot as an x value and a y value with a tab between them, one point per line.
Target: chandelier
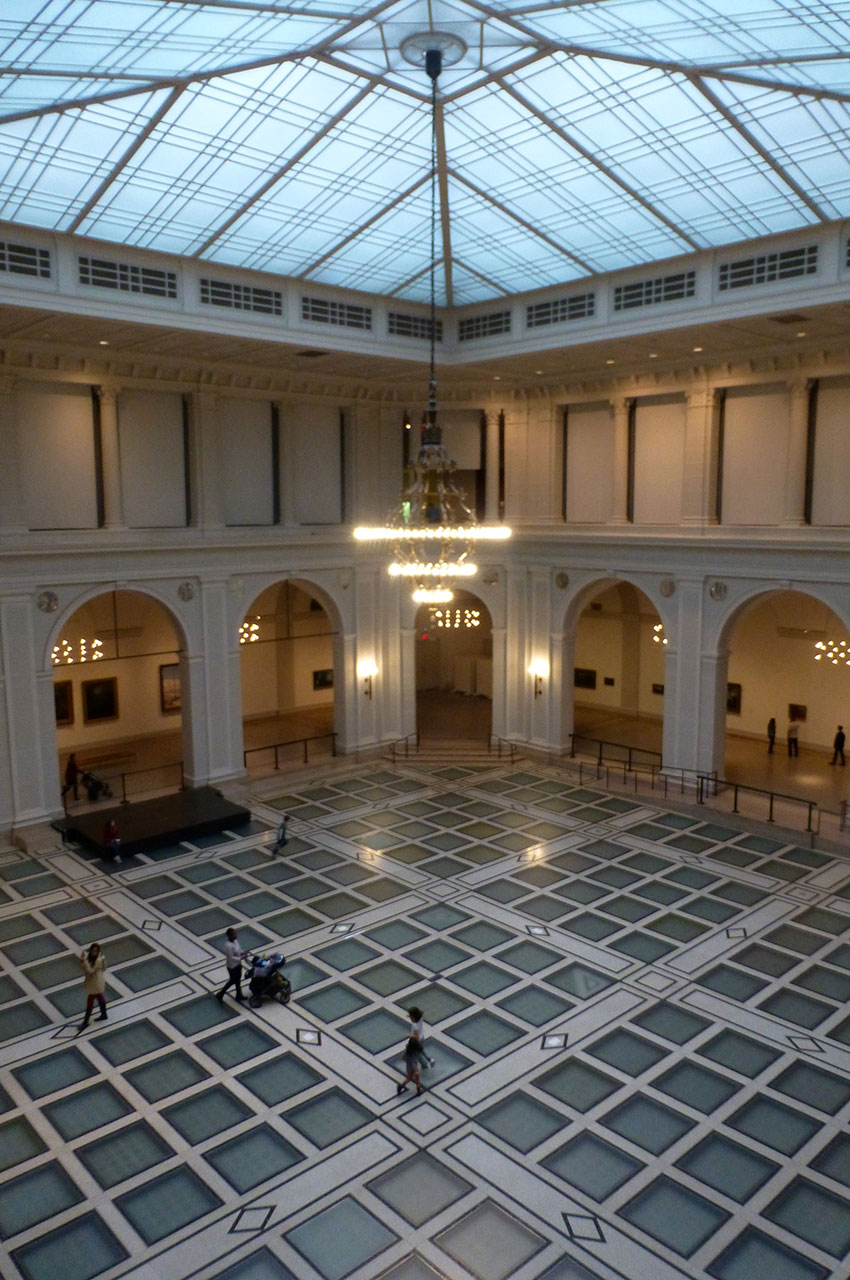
432	530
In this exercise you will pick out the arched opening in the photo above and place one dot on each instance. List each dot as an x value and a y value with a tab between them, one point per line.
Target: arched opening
618	668
289	679
118	698
454	671
776	671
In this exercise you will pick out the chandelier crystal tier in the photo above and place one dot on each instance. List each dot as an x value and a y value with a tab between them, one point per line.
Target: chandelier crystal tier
432	530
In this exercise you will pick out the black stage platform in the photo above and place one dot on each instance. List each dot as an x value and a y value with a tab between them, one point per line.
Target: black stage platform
199	811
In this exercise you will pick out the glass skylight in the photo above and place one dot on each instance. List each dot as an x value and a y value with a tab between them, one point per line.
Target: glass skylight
294	138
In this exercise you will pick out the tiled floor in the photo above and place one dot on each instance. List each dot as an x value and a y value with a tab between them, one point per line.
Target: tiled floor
638	1020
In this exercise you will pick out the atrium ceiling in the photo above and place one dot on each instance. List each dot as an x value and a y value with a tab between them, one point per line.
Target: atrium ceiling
574	137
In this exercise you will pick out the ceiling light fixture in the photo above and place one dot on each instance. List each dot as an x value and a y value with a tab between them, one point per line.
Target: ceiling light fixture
432	530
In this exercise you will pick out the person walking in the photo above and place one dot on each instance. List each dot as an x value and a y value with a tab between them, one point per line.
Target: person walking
414	1053
281	840
771	734
72	777
793	738
93	965
233	960
838	746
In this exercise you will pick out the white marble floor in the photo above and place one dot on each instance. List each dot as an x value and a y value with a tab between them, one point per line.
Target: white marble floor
637	1018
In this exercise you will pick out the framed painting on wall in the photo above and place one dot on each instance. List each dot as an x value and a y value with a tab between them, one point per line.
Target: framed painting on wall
63	700
796	711
584	678
733	699
323	679
170	690
100	699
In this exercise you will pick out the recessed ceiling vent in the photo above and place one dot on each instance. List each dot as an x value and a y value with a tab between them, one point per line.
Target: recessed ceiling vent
310	353
578	306
648	293
102	274
488	325
347	315
792	318
24	260
402	326
241	297
766	268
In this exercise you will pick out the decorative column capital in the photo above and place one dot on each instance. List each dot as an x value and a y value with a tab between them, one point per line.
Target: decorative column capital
108	392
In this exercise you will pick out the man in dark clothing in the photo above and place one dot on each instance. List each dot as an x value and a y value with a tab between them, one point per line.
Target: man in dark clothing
838	746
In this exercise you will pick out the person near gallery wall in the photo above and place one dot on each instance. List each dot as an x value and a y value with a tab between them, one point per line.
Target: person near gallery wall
838	746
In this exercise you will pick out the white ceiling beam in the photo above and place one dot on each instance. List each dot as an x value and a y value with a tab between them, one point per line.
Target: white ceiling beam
271	181
364	226
138	141
527	226
753	142
601	167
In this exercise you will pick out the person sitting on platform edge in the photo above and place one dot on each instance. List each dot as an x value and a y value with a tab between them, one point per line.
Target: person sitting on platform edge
111	840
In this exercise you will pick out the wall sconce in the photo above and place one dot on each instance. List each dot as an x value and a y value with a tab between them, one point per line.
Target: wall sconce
539	669
366	670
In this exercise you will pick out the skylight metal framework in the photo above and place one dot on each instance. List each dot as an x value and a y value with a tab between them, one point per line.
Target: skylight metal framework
575	136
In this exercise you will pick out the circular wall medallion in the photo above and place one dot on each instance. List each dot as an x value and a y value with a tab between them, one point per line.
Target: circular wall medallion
490	577
186	591
667	587
718	590
413	48
48	602
562	580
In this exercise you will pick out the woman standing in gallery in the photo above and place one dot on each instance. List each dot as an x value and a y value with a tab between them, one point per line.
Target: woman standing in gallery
93	965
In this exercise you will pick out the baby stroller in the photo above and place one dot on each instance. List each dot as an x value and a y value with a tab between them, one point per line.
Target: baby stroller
96	788
266	979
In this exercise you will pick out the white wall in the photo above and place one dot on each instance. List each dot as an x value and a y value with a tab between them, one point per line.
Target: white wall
659	459
755	444
153	482
831	488
314	434
57	456
590	453
245	433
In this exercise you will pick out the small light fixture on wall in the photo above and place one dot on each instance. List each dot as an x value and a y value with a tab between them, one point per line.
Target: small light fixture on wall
366	671
539	669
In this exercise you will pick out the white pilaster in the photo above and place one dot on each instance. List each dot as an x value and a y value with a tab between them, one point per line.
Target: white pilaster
32	781
212	694
110	456
205	469
620	462
699	478
793	512
491	478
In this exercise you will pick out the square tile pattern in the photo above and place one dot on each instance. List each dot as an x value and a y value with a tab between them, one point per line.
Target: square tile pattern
567	1101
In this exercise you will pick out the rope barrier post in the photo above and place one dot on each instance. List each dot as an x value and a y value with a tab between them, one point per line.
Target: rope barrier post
735	799
770	808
